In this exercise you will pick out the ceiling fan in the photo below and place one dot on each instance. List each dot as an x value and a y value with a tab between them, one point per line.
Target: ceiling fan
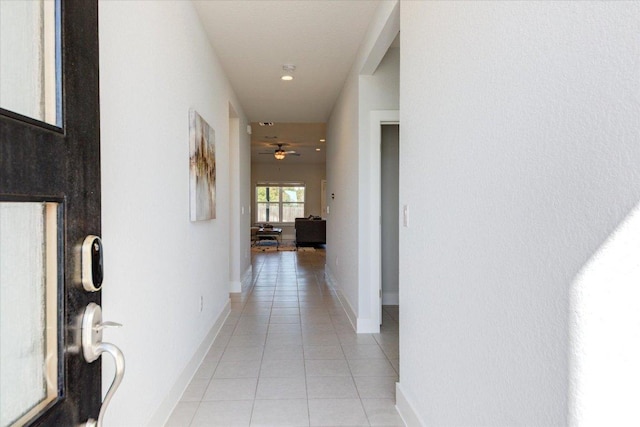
279	153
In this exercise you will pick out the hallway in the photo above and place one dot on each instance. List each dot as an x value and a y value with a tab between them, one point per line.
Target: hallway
288	356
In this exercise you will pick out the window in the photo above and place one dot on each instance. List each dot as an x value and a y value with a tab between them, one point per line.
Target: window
279	202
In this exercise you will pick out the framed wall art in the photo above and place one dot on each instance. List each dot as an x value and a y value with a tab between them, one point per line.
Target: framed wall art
202	169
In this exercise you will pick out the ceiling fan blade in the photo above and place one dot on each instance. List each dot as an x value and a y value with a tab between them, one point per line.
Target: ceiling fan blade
294	154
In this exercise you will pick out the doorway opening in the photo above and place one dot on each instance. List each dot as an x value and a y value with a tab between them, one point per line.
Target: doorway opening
389	222
379	119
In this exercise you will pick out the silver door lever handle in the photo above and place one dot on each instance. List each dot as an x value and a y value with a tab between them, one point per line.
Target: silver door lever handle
103	325
93	347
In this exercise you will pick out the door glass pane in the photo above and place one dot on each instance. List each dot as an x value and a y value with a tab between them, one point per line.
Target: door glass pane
28	309
29	59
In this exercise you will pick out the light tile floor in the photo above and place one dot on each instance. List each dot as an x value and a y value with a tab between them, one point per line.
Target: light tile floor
288	356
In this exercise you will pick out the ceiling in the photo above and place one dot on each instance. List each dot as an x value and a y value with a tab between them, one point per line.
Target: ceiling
255	38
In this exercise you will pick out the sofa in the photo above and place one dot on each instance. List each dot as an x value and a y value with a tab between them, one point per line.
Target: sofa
310	231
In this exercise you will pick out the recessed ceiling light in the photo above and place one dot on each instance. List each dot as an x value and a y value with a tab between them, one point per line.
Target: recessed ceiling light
287	70
317	149
323	140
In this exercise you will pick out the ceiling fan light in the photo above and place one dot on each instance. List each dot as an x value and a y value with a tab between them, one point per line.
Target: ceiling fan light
279	154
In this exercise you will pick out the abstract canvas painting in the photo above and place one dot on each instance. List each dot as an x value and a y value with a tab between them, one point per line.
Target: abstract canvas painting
202	168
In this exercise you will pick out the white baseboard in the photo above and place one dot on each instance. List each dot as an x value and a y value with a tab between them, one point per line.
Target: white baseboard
344	302
368	326
237	286
247	278
360	325
348	309
406	409
169	403
390	298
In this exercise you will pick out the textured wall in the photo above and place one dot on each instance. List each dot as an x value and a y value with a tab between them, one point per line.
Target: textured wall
605	332
520	153
342	182
352	222
379	91
155	64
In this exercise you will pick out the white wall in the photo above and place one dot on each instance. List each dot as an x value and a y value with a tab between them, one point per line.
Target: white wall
352	223
519	156
605	332
342	190
380	91
240	204
155	64
309	174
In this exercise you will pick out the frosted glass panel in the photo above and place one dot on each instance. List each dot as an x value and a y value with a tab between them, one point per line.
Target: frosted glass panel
28	307
28	59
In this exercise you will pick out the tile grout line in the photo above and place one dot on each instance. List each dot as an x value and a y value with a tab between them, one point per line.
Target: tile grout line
311	297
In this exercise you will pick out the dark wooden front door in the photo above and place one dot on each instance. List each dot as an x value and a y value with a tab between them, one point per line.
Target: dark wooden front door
49	201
